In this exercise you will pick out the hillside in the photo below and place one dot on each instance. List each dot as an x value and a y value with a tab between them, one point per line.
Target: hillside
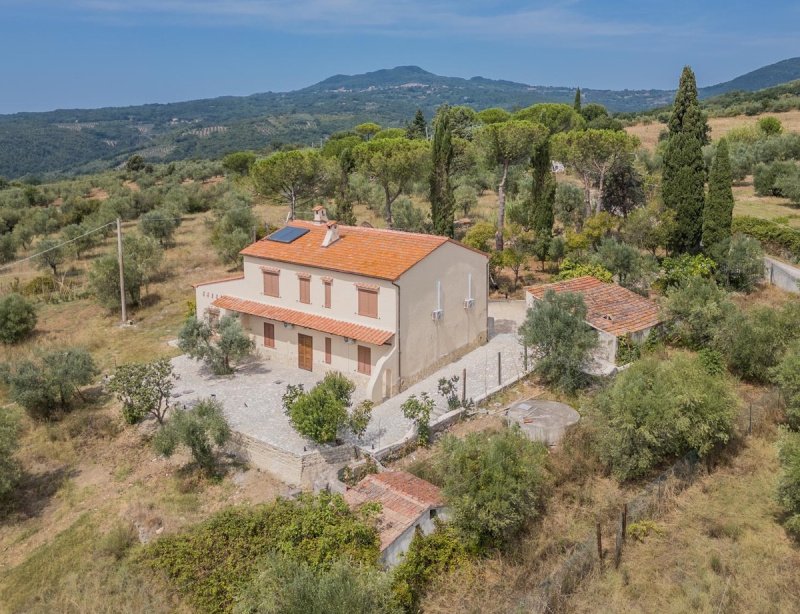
759	79
83	140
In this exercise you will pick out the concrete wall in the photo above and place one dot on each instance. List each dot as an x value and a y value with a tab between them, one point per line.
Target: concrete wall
782	275
427	345
303	470
393	554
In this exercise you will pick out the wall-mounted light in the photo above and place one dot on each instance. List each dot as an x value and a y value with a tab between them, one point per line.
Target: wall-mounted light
288	325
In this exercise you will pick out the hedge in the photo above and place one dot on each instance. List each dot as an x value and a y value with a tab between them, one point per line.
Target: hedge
773	235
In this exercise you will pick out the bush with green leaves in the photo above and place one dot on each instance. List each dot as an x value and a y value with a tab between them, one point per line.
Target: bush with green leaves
789	481
694	310
676	270
202	429
560	339
159	224
658	410
219	351
753	341
9	443
494	484
317	530
569	205
633	270
570	269
233	230
143	388
419	411
777	236
283	585
428	558
17	318
740	263
142	257
322	413
786	375
48	384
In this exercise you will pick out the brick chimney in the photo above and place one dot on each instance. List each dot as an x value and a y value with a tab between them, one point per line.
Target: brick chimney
320	215
332	235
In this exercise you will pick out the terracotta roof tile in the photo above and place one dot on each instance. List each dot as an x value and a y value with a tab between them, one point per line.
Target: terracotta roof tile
403	497
215	281
331	326
373	252
611	308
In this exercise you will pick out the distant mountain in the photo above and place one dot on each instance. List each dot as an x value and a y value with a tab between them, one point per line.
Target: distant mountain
83	140
759	79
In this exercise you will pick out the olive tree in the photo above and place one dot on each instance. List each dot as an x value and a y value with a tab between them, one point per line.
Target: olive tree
142	258
218	351
17	318
143	388
560	339
9	442
505	144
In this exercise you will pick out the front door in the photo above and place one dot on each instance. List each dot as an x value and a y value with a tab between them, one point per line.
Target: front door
305	350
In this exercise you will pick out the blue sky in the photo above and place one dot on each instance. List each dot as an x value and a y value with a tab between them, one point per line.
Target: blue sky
91	53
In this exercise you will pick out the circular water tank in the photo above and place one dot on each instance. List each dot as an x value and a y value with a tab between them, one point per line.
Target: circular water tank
544	421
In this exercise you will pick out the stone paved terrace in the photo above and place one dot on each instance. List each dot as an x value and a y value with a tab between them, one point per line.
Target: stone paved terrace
252	397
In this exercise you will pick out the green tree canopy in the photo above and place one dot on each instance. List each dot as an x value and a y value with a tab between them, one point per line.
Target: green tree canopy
294	175
142	258
239	162
17	318
219	351
418	127
441	196
493	116
686	115
555	117
718	211
9	443
143	388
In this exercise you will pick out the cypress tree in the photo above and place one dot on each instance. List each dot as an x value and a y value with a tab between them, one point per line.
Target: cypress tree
418	128
543	191
718	213
683	184
443	202
686	115
577	104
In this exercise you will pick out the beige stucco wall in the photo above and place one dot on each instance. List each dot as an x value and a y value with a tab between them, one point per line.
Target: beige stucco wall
393	553
425	344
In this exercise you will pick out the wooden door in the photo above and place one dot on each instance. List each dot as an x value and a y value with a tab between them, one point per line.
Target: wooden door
364	360
305	351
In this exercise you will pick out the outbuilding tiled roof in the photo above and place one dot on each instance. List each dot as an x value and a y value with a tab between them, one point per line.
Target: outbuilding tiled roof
372	252
404	498
359	332
610	307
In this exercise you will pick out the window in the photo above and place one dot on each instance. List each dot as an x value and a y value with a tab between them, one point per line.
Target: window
328	344
269	335
433	514
305	289
327	283
271	286
368	302
364	360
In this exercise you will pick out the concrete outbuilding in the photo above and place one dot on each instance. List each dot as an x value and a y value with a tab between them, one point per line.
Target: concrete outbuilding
545	421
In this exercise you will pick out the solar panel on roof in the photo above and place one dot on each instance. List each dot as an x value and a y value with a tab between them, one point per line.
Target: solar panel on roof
287	234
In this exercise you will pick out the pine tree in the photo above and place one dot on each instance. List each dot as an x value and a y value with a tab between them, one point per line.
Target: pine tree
577	104
543	191
683	184
418	128
686	114
443	202
718	213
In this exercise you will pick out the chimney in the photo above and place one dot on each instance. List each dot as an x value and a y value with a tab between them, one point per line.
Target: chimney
320	215
332	235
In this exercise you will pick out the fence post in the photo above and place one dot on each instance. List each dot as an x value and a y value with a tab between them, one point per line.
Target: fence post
525	358
624	521
464	386
599	544
750	426
621	530
499	369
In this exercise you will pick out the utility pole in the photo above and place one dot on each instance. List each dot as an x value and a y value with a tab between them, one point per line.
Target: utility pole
121	275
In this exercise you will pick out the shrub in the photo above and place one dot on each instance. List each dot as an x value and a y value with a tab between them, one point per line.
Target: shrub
658	410
419	410
766	177
770	125
231	344
118	541
466	198
143	388
321	413
159	225
741	262
632	269
569	205
560	339
212	562
769	233
789	481
49	383
284	585
787	377
9	442
141	263
677	270
428	557
570	269
200	429
17	318
494	483
693	311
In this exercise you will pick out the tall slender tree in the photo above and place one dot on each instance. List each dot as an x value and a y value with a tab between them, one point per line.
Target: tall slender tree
577	104
683	183
418	128
543	191
443	202
718	212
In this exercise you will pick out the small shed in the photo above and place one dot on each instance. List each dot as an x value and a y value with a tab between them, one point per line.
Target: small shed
408	504
613	311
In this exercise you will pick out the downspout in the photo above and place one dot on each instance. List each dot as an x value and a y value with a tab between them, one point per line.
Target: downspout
397	341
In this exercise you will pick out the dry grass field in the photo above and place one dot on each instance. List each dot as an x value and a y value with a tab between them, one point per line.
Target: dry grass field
648	133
